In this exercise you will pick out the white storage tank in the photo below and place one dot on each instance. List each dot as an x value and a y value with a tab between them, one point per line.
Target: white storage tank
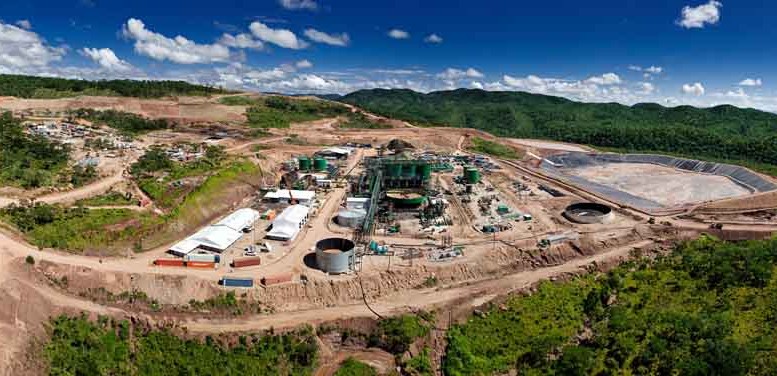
351	218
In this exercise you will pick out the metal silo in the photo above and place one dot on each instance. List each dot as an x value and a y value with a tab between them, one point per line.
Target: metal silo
394	170
319	164
335	255
409	169
425	171
304	163
471	174
351	218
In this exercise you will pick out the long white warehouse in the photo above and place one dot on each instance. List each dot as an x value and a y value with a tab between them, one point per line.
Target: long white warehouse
220	236
287	225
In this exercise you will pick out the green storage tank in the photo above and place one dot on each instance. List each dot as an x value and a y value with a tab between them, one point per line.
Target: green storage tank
472	175
425	171
409	169
304	163
394	169
319	164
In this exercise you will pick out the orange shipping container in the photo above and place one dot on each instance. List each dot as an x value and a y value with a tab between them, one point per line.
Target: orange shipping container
201	265
276	279
169	262
248	261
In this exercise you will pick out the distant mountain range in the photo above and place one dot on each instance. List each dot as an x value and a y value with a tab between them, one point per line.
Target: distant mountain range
722	132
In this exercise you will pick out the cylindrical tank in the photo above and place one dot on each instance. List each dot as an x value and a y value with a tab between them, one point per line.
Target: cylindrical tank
472	175
304	164
425	171
335	255
319	164
351	218
394	169
409	169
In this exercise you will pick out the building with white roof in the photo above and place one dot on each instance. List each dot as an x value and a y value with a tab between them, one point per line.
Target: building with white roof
217	237
288	224
336	152
357	203
302	197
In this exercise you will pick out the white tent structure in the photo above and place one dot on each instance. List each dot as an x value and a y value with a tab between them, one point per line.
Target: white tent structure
287	225
302	197
219	236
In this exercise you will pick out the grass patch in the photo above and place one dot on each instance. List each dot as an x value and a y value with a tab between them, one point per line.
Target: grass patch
280	112
357	120
239	100
492	148
126	123
109	199
353	367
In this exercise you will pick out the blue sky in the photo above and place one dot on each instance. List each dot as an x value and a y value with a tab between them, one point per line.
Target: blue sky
699	52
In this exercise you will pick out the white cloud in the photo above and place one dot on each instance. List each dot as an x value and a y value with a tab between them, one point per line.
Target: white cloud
605	79
299	4
21	49
280	37
106	58
696	89
455	74
738	93
648	71
341	40
398	71
646	88
697	17
654	70
178	50
398	34
476	85
433	38
308	82
24	24
304	64
242	40
751	82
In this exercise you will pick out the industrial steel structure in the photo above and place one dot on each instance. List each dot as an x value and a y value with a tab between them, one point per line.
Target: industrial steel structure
335	255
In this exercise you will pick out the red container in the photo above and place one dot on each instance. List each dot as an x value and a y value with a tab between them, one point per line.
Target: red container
248	261
276	279
169	262
201	265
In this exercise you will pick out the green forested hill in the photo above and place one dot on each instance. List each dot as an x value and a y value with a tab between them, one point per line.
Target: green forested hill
722	132
49	87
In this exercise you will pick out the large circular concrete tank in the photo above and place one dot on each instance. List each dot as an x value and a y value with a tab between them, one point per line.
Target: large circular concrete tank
335	255
588	213
351	218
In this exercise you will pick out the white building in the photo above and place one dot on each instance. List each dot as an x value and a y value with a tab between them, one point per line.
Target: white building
361	203
301	197
217	237
288	224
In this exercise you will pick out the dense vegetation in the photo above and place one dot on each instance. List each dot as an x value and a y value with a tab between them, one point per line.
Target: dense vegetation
107	347
49	87
721	133
26	160
280	112
482	146
111	198
77	228
396	334
353	367
709	308
125	122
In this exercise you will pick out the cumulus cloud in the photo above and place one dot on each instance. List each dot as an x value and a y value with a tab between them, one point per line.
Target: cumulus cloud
178	50
456	74
280	37
697	17
696	89
605	79
106	58
20	48
398	34
341	40
24	24
433	38
299	4
751	82
646	88
308	82
648	72
304	64
476	85
242	40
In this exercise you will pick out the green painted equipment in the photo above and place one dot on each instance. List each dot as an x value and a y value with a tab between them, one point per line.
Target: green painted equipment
406	198
394	170
471	174
409	169
304	164
319	164
425	171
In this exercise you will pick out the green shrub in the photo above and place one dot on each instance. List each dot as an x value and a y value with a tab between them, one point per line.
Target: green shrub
353	367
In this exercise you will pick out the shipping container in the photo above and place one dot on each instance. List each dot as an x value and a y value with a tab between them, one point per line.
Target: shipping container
276	279
236	282
200	265
247	261
202	257
169	262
